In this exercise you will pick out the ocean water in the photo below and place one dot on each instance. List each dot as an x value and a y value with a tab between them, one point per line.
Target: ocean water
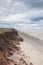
22	26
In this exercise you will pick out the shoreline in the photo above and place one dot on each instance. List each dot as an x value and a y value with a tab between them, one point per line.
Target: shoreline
31	50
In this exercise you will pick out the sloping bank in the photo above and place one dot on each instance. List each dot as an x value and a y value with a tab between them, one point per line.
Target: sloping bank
10	50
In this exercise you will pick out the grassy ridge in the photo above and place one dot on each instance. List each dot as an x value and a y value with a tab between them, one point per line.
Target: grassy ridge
2	30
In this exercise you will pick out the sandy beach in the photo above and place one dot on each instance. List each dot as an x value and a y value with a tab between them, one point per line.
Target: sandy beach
32	47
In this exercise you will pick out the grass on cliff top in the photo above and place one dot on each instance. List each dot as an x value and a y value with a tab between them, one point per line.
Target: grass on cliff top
2	30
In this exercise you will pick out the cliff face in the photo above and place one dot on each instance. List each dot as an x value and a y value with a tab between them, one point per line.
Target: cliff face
10	51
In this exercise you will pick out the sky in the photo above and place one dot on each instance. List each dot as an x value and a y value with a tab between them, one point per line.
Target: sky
26	14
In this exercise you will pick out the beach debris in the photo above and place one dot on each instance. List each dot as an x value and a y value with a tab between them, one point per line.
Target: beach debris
31	63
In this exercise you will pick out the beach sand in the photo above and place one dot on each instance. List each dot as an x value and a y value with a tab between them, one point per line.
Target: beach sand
33	47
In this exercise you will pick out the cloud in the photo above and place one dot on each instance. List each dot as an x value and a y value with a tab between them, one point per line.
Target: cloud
17	6
34	3
37	18
23	12
11	7
29	15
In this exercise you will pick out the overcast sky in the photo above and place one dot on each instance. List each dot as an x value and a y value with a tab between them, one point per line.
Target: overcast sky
22	11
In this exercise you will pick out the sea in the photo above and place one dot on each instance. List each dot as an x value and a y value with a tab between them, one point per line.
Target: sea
22	26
